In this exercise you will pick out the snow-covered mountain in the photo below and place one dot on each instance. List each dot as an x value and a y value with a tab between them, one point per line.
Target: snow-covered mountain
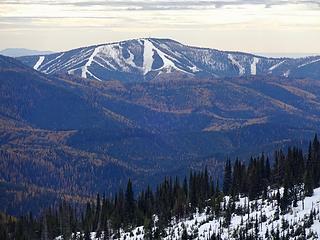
145	59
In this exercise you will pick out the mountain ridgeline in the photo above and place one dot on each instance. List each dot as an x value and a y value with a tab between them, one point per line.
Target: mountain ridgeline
150	58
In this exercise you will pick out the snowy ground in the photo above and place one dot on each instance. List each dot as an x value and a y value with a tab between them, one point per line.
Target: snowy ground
202	225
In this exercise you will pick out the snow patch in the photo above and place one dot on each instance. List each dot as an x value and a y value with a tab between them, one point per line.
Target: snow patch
275	66
106	62
65	64
237	64
148	52
84	69
130	59
194	69
113	52
147	56
51	66
253	65
305	64
92	75
38	63
71	71
286	74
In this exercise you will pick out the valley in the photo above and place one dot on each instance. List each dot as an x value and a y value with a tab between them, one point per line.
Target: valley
84	135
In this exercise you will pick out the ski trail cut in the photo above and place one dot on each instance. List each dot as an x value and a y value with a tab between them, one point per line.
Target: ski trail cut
38	63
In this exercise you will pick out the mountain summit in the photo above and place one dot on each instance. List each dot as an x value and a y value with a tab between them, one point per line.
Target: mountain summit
147	58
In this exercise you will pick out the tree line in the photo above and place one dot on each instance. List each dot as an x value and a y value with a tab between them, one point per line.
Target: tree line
296	172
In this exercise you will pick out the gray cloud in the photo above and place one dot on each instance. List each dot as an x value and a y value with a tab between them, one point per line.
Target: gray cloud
163	4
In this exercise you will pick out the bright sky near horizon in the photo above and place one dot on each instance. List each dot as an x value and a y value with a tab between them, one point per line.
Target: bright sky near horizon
268	26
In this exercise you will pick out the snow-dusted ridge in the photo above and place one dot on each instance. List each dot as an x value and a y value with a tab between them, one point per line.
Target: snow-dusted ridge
146	58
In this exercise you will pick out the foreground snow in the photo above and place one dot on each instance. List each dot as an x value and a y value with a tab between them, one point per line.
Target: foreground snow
264	212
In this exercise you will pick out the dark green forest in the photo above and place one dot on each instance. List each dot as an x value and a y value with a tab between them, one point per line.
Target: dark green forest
154	208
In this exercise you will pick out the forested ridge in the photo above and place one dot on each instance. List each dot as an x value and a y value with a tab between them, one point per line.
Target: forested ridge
296	173
82	137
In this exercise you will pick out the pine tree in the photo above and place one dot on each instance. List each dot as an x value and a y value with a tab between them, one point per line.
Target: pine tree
308	183
87	235
185	187
44	233
227	177
185	235
97	214
129	203
173	198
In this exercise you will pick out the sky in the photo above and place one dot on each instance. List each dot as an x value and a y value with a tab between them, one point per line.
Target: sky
257	26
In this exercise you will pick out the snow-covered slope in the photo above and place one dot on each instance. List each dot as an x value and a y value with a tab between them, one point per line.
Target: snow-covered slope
145	59
263	213
262	219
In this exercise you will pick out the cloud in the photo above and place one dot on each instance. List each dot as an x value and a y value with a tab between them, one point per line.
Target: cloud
251	25
164	14
163	5
151	15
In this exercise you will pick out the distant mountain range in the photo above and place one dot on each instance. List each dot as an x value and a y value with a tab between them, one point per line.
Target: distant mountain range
169	108
18	52
149	58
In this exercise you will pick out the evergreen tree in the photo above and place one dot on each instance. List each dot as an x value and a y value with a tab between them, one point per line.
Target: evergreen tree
308	183
227	177
129	203
173	198
44	232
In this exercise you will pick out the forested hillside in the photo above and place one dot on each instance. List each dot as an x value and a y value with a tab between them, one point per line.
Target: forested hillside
254	200
82	136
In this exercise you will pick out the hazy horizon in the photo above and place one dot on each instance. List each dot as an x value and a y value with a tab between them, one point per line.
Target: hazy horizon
267	26
265	54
